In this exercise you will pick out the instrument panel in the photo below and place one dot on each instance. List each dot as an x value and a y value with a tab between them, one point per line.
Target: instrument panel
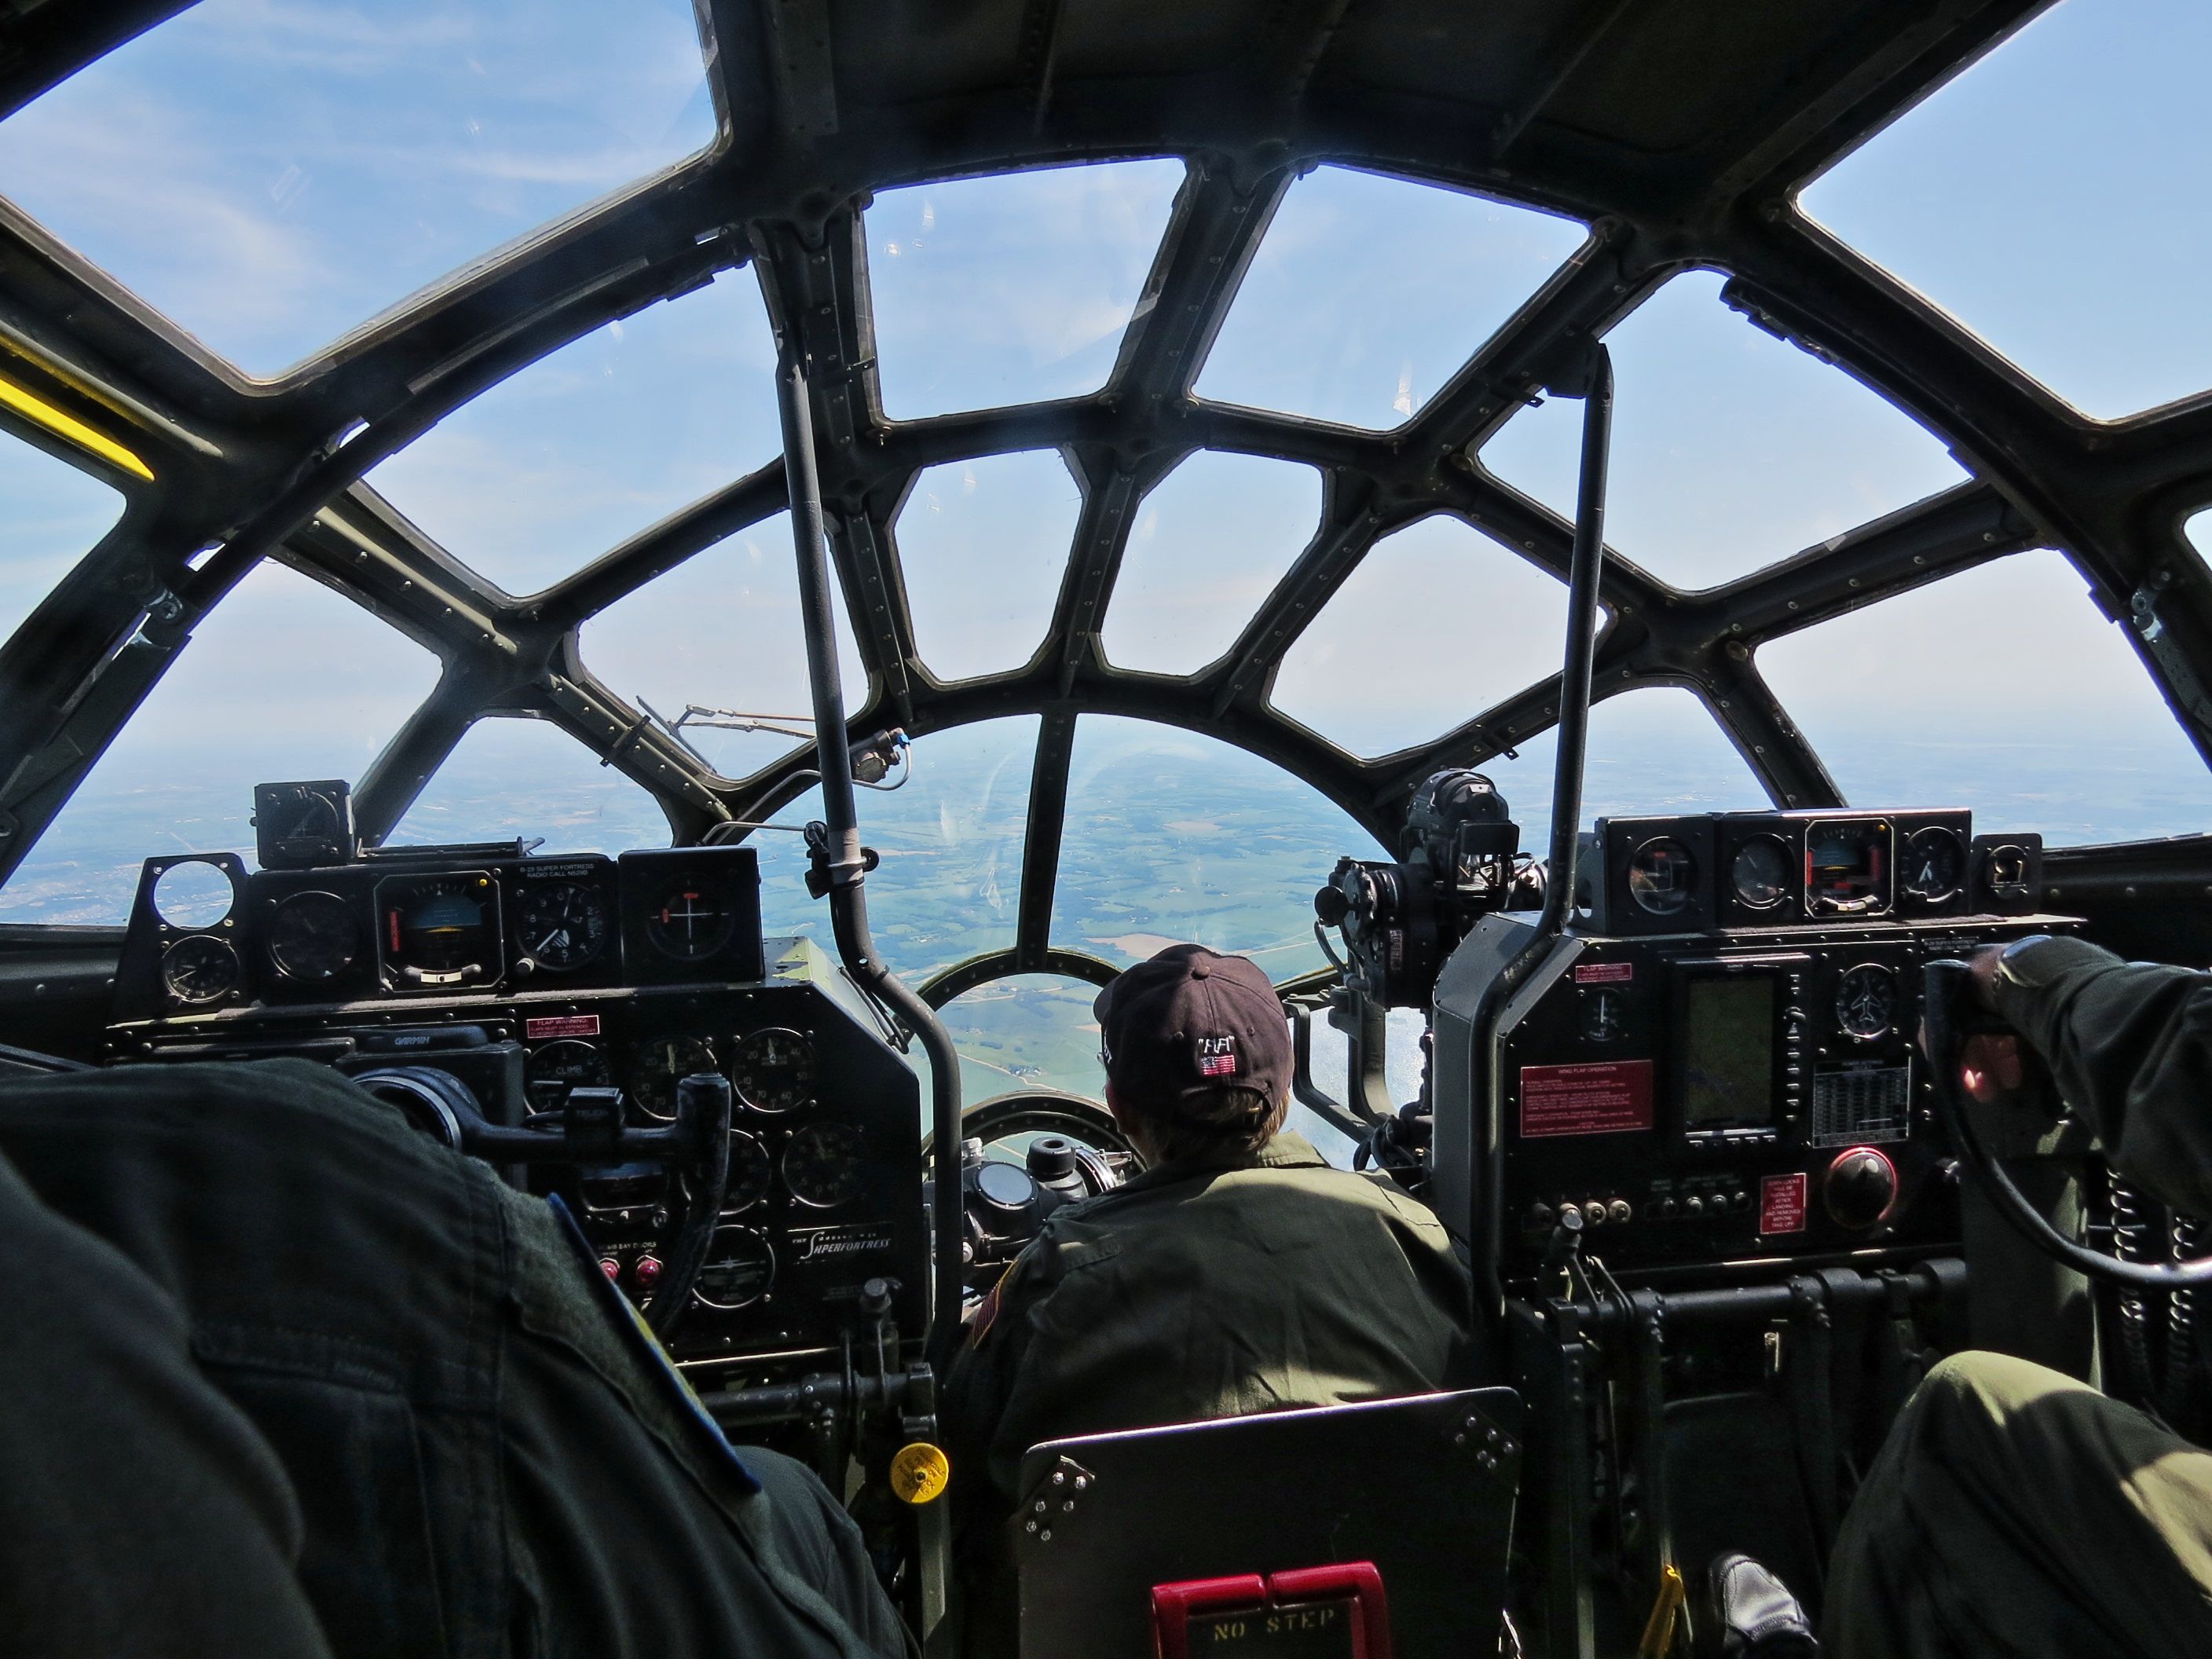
529	977
1719	1067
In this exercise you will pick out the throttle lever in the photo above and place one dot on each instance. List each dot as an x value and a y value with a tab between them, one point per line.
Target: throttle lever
1948	1015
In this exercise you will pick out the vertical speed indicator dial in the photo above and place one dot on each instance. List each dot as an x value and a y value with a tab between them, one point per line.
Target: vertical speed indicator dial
772	1070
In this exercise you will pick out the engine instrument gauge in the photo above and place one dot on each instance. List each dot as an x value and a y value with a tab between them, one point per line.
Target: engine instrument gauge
1663	877
1866	1001
313	937
660	1064
748	1174
200	967
1848	866
772	1070
822	1165
439	932
691	920
559	924
1759	877
570	1063
1934	864
738	1270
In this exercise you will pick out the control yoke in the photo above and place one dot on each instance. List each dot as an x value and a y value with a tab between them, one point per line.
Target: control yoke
1950	1017
696	1149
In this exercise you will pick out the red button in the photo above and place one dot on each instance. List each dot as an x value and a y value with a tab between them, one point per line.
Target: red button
610	1266
648	1272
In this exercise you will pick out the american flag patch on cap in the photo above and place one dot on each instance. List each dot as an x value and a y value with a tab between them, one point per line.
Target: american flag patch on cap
1216	1056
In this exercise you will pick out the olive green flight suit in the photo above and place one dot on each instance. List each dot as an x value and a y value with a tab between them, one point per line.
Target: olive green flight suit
1207	1287
2014	1510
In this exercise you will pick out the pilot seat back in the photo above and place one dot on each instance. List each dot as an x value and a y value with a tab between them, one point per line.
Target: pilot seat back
1371	1531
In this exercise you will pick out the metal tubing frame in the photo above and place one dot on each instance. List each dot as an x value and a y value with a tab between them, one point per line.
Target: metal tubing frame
1595	387
848	905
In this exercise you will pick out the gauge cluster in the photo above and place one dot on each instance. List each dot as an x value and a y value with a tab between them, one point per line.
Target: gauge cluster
420	923
1760	870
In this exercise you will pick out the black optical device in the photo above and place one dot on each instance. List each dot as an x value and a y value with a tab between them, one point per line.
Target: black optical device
1401	920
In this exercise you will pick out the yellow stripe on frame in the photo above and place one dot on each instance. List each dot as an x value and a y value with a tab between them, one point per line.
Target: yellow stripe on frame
68	427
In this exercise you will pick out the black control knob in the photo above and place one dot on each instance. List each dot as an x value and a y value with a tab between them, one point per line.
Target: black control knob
1859	1188
1050	1158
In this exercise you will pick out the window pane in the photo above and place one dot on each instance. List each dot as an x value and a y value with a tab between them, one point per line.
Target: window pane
523	777
52	516
1921	701
284	679
1172	837
1010	288
1653	750
722	629
1210	543
549	468
2048	199
1731	449
1437	623
1367	293
271	175
1027	1031
949	885
984	545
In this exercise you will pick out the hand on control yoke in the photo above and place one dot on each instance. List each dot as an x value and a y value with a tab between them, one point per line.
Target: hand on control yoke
1992	1069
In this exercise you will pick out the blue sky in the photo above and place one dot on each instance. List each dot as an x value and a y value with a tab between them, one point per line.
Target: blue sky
271	174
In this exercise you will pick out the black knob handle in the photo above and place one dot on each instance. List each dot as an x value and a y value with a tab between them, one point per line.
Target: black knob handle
1860	1188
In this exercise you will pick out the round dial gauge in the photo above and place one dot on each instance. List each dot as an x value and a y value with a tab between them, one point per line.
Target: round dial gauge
439	931
1759	877
748	1174
313	937
1866	1001
660	1064
822	1165
739	1269
560	925
1934	864
773	1070
200	967
689	921
1663	877
570	1062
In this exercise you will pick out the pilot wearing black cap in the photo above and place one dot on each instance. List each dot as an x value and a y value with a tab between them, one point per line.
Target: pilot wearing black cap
1240	1272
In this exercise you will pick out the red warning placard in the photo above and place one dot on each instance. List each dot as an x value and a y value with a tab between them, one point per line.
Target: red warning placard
1782	1204
561	1025
1599	1097
1604	973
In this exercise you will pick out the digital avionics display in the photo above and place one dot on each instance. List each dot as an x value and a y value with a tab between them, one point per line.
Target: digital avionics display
1728	1075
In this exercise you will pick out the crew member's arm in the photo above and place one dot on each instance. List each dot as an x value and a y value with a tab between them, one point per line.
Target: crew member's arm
2130	1046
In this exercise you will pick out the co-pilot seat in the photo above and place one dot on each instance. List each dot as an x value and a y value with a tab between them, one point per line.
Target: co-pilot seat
1371	1531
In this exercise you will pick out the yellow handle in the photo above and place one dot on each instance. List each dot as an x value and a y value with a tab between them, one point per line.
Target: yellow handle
1659	1629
